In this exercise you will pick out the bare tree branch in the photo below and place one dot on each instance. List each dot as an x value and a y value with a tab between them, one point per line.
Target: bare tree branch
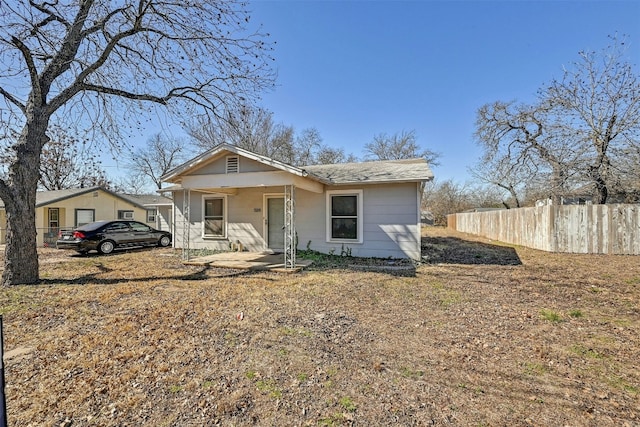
102	65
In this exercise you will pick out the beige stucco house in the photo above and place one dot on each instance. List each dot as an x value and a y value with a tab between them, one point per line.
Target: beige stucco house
69	208
229	197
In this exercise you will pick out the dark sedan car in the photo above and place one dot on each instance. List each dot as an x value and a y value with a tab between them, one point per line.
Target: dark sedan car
105	236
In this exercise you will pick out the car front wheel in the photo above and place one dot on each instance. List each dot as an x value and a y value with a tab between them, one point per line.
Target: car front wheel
106	247
164	241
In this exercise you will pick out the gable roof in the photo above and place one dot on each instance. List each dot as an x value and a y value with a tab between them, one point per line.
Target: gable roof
385	171
208	156
47	197
44	198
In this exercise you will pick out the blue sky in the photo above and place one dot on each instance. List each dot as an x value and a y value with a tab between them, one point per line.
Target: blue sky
355	69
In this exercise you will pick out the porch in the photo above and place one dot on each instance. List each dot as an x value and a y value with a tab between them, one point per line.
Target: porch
256	261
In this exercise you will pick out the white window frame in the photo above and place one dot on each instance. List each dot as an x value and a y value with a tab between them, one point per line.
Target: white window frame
126	214
80	213
224	217
151	215
359	217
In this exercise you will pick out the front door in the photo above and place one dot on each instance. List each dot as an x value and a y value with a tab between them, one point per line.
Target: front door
275	223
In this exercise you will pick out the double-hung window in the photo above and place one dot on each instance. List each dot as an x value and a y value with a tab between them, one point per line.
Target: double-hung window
151	215
214	217
344	216
84	216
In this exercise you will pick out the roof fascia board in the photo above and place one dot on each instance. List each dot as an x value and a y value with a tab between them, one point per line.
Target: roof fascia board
251	180
212	154
68	196
386	181
89	190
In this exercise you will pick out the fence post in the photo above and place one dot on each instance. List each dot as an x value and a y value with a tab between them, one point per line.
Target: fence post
3	401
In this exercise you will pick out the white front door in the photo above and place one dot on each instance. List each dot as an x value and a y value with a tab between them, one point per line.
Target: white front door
275	223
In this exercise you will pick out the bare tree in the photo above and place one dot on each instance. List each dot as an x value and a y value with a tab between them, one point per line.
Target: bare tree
329	155
444	198
522	137
629	164
100	63
67	162
398	146
504	174
247	127
254	129
305	147
159	155
597	102
131	183
578	133
308	149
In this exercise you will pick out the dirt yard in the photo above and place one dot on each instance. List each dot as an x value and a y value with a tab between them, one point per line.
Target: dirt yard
483	335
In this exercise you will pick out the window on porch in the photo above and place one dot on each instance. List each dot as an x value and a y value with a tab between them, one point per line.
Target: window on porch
214	217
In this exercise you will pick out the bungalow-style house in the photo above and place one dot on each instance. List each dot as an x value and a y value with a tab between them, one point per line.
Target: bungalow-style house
63	209
231	198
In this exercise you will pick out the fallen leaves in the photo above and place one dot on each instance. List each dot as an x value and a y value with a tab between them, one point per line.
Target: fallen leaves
140	339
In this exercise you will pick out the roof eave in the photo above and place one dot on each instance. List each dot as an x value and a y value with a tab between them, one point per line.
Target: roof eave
386	181
174	175
68	196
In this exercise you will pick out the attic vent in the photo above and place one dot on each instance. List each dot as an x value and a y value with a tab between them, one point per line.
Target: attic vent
232	164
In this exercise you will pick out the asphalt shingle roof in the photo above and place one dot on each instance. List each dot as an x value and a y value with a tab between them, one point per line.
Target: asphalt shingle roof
373	172
44	198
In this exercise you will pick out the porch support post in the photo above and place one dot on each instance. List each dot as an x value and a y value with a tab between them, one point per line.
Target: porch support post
186	222
289	227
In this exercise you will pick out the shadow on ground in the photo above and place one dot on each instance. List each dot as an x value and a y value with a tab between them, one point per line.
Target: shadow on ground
452	250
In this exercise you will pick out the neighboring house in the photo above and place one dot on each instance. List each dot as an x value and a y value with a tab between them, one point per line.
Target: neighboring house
585	195
229	197
157	207
64	209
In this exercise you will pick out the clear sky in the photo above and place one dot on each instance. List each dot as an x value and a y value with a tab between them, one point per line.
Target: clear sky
354	69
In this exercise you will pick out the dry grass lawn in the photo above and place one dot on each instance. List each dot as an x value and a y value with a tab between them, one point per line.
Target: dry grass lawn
484	335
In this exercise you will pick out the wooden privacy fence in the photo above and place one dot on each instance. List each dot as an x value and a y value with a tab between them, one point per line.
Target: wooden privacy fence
600	229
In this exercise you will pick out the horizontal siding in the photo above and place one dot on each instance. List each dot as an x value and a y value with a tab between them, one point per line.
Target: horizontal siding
219	166
390	221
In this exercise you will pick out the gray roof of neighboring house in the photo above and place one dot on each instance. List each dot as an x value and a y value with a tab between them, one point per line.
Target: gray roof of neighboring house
147	199
373	172
48	197
44	198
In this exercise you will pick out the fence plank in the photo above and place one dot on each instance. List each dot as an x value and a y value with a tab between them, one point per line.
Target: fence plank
607	229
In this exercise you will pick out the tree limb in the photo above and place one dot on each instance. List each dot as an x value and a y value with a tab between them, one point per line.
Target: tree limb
15	101
31	67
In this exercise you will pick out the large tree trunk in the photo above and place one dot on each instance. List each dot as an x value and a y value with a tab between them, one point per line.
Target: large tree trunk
19	196
21	255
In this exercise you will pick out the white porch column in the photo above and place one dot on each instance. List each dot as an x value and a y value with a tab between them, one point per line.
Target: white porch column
289	227
186	223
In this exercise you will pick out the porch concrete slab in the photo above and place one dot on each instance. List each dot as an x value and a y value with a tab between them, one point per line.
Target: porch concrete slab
248	261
